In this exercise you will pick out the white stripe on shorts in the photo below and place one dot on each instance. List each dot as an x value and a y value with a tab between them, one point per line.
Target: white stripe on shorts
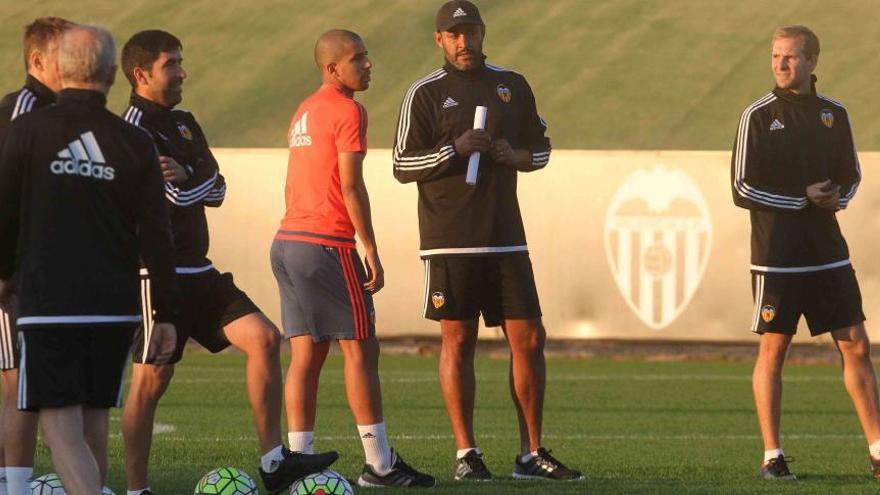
22	374
759	298
146	314
7	349
427	287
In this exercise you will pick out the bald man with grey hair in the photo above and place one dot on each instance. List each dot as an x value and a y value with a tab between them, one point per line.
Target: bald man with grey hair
87	55
95	181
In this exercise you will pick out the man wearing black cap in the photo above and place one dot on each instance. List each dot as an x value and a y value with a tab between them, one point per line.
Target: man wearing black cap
472	238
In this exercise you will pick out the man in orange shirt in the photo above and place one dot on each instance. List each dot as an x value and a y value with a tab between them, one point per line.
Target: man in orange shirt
325	292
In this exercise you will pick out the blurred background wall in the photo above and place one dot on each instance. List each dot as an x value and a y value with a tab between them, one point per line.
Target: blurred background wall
625	244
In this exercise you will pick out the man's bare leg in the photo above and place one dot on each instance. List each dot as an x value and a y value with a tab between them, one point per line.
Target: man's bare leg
71	455
767	385
457	377
148	383
301	386
258	338
362	379
96	426
19	427
859	377
528	375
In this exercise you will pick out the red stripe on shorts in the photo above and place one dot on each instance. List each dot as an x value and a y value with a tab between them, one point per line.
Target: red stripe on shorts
355	294
359	295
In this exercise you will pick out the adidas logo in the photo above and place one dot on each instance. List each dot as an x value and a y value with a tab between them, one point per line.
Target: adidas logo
368	435
299	134
458	13
776	125
449	103
83	157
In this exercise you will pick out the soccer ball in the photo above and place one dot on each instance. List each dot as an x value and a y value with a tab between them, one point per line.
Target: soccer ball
326	482
226	481
47	484
50	484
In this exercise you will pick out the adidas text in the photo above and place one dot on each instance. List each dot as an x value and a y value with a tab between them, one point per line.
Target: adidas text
83	157
299	134
83	169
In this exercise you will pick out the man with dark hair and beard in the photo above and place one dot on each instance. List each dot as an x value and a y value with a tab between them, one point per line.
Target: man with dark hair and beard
214	312
472	237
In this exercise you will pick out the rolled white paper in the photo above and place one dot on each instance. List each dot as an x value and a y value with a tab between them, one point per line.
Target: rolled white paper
474	160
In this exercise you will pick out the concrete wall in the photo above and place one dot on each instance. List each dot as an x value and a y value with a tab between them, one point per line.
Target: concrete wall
633	245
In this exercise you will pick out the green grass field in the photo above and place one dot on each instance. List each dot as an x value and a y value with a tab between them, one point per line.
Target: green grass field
633	427
622	74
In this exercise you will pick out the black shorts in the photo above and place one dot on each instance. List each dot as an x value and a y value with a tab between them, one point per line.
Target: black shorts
210	301
829	299
499	287
8	342
63	367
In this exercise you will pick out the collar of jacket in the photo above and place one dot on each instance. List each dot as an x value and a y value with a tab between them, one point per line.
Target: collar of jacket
793	97
148	106
88	96
38	88
472	74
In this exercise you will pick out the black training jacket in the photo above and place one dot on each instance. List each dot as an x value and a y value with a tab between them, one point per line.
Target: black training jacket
178	135
82	191
786	142
456	219
31	96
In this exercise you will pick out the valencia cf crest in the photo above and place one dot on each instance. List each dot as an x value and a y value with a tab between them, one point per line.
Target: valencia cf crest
504	93
827	117
768	312
658	235
438	299
185	132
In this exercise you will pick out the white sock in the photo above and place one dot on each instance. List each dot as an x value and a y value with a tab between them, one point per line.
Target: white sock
376	449
272	459
874	449
528	456
772	454
460	453
3	481
137	492
301	441
18	480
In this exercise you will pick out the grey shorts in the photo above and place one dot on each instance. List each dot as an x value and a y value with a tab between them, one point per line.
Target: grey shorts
322	291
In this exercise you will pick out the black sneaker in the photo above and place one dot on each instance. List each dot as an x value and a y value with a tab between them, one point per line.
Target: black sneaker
472	468
544	467
295	466
401	474
777	469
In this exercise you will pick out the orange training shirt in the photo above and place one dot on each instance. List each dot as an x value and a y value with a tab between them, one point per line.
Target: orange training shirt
327	123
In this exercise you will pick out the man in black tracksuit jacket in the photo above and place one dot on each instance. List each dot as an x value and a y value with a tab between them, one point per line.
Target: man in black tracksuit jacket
214	312
18	429
472	236
82	202
794	166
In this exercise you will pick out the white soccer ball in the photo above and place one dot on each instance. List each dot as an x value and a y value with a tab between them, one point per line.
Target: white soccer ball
47	484
326	482
50	484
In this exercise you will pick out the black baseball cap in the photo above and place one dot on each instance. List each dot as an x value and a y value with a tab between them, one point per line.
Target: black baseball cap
457	12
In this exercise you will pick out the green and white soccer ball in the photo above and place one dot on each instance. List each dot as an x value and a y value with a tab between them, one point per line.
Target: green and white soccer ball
50	484
226	481
326	482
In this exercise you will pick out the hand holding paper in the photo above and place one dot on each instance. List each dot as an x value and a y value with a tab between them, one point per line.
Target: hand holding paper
474	160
